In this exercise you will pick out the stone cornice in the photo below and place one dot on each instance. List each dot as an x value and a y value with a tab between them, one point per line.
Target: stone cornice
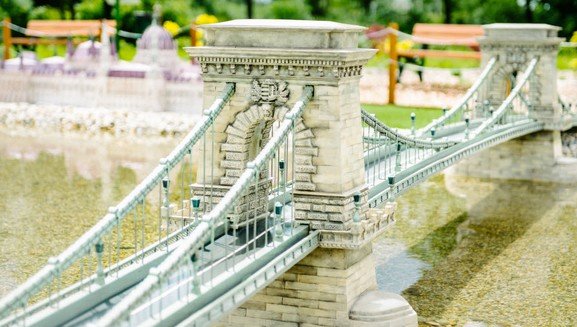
307	64
539	45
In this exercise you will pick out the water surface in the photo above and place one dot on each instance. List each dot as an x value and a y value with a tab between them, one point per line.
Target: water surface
462	250
500	252
54	188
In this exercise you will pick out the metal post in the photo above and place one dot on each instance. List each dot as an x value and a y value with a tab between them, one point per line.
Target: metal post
166	206
413	118
357	210
393	57
278	231
117	18
282	188
7	36
466	128
99	247
398	158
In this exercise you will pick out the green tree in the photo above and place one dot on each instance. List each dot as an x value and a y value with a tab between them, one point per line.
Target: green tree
17	10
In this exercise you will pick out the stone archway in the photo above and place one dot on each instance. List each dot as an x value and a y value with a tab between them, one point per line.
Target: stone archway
239	147
504	79
249	131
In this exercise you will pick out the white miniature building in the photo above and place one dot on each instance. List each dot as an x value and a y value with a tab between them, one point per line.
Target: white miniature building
91	75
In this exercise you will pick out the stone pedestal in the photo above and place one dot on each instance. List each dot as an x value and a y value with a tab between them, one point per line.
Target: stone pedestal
378	308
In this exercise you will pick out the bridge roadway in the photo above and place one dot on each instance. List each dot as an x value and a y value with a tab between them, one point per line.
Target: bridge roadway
380	165
261	253
208	268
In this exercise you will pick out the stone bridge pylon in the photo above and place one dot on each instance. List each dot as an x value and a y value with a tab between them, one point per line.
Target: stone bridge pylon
270	62
535	156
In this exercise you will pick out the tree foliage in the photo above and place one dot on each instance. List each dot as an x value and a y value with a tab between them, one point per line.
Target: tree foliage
363	12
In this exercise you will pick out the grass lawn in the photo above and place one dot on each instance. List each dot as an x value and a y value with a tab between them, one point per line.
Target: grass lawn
400	117
567	59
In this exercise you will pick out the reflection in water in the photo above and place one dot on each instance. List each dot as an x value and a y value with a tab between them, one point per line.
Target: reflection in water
54	189
474	249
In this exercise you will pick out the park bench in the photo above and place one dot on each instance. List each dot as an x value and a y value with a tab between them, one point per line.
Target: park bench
52	32
426	35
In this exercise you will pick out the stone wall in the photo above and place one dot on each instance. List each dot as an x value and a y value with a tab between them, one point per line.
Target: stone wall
533	157
318	291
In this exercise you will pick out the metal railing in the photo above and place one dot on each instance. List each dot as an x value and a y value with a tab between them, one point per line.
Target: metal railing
136	228
516	106
191	271
387	151
463	110
395	161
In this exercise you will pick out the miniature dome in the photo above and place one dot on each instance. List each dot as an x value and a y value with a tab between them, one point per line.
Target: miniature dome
156	32
87	49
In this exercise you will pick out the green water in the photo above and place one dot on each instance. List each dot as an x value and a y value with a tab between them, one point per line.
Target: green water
53	189
462	250
499	252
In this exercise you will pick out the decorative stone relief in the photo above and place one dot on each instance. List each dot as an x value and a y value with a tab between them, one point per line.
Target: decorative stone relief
333	216
280	67
269	95
516	59
376	221
268	99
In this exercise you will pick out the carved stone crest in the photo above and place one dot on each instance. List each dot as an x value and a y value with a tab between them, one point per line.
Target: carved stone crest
268	94
516	58
269	91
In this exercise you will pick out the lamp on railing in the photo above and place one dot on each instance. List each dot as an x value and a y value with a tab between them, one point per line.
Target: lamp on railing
357	211
195	202
413	119
467	123
99	247
278	228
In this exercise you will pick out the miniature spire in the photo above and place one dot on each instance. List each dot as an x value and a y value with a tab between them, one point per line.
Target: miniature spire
156	12
105	49
69	47
113	51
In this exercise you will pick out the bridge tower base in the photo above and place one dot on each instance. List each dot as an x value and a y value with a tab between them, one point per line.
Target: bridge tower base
533	157
330	287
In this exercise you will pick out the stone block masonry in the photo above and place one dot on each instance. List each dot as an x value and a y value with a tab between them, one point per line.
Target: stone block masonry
318	291
533	157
